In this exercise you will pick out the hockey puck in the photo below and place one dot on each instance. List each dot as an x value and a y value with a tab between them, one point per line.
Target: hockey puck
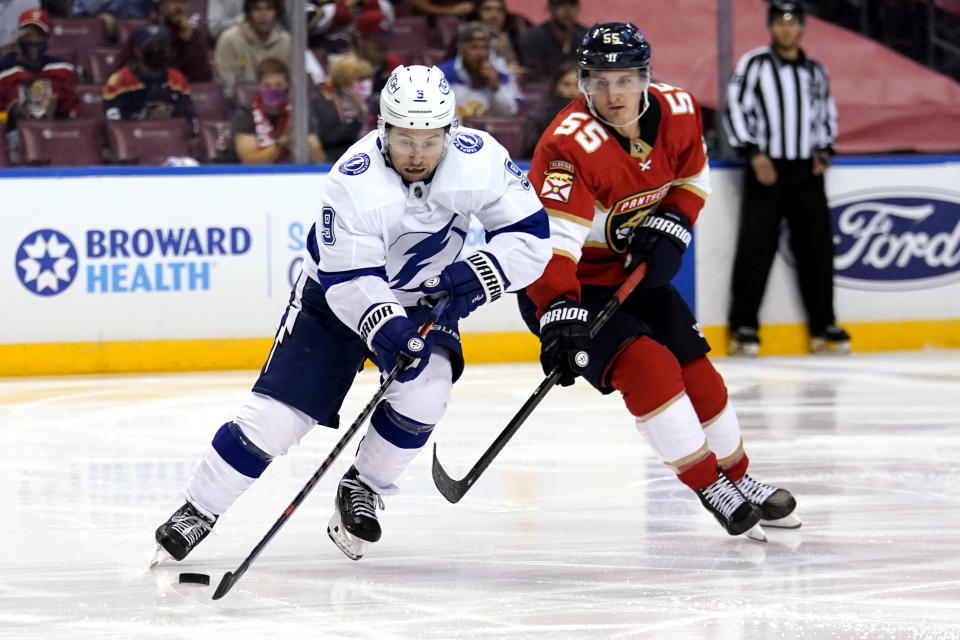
194	578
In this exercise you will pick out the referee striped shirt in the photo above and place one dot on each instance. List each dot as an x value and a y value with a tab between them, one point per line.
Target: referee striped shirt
780	107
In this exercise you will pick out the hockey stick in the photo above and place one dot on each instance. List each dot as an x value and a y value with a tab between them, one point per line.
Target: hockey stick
452	489
230	577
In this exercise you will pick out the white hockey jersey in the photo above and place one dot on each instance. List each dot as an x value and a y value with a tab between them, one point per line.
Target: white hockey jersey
378	238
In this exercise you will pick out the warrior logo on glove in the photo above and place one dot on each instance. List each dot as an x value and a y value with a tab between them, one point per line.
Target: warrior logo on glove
415	344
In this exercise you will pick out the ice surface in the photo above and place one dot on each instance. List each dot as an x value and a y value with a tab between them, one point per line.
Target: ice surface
575	531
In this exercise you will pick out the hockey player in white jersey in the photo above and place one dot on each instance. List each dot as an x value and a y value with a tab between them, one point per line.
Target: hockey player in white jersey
389	237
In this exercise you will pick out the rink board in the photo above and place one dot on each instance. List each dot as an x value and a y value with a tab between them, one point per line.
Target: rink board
130	269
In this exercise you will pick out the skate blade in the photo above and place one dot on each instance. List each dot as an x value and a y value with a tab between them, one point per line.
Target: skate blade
830	348
744	351
789	521
756	533
160	555
352	546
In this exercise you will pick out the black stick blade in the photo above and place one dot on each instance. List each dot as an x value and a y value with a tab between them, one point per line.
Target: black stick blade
226	583
449	488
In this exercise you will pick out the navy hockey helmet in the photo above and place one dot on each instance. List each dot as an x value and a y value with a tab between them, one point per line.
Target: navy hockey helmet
613	45
785	9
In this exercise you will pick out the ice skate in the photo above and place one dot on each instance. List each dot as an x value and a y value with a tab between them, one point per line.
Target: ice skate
731	509
354	526
744	341
833	340
776	505
181	533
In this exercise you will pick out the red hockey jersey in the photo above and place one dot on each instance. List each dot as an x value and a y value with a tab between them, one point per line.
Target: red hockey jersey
597	186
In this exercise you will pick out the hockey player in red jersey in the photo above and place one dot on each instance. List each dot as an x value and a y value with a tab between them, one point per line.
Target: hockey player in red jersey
622	172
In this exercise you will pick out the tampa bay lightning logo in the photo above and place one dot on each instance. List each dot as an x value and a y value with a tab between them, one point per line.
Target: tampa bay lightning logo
355	165
416	251
517	173
46	262
468	142
444	85
393	84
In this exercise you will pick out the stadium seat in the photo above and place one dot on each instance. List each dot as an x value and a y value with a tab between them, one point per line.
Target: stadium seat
100	62
199	8
4	152
91	102
408	54
243	93
447	30
208	101
66	53
410	32
432	57
217	138
148	141
126	27
60	142
80	33
508	130
533	93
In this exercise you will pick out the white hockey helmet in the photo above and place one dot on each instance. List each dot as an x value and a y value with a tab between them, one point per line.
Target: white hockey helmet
416	97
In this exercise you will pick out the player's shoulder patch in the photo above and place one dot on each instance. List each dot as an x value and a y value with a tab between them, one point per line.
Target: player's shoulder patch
355	165
558	181
517	173
468	142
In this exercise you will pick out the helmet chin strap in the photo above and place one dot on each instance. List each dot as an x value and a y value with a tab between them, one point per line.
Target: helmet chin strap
643	109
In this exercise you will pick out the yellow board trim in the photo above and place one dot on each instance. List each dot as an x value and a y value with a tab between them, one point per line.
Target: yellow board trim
250	353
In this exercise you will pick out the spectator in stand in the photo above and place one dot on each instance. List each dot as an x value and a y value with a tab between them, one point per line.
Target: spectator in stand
541	115
330	26
57	8
10	11
341	110
546	45
481	90
109	10
149	88
34	85
262	132
188	42
373	33
505	30
246	44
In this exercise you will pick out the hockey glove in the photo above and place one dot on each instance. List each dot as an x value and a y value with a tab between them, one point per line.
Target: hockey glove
660	241
469	283
565	340
395	336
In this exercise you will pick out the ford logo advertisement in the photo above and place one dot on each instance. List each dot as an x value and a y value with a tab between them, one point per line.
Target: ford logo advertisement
897	238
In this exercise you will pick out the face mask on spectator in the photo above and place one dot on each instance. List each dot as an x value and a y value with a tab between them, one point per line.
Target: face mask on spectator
33	51
364	88
273	98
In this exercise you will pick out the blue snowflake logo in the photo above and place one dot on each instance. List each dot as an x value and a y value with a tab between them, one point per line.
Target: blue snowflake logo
46	262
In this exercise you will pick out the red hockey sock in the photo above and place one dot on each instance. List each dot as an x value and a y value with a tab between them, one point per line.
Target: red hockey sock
737	467
701	473
647	375
705	387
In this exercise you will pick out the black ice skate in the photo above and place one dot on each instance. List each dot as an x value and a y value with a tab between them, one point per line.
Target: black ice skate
744	341
182	532
354	524
731	508
833	340
776	505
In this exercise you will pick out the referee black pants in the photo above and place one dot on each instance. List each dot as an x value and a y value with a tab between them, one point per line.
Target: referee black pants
798	199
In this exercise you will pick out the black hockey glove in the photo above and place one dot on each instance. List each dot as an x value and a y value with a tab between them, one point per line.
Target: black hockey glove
565	340
659	240
470	282
389	334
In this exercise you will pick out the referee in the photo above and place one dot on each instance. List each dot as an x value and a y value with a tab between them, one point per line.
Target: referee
780	116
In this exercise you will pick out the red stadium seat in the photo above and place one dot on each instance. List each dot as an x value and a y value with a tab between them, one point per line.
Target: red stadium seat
126	27
208	101
80	33
533	93
447	29
100	62
244	93
508	130
410	32
148	141
217	138
408	54
60	142
66	53
4	152
432	57
91	102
